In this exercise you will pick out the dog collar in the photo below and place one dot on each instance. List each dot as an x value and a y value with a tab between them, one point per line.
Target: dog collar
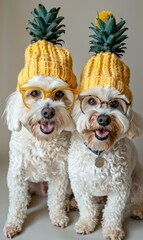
99	161
96	152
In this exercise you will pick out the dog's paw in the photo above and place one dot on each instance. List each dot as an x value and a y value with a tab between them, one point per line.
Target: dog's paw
85	226
12	230
61	221
113	234
137	212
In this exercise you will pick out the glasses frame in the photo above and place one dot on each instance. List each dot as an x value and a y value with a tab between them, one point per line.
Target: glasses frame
81	97
48	93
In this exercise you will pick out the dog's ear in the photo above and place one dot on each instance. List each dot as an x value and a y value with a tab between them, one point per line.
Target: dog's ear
12	110
136	125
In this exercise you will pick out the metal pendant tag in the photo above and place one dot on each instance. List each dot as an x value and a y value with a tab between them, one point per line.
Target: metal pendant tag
99	162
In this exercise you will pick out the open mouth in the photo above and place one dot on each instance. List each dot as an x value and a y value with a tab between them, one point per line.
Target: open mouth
47	127
102	134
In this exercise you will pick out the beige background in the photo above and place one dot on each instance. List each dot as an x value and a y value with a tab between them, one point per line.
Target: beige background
78	15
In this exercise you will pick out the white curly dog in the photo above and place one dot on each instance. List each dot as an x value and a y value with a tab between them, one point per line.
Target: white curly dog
40	122
104	162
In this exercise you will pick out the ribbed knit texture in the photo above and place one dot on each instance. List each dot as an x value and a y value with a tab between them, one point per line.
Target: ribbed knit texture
106	69
46	59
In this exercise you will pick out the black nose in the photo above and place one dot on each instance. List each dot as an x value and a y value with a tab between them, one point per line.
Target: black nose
48	112
104	120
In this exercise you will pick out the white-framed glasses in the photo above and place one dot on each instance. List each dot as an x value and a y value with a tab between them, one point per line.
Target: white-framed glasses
33	94
91	102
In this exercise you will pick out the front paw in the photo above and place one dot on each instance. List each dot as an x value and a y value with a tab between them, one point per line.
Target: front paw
60	221
11	230
114	234
85	226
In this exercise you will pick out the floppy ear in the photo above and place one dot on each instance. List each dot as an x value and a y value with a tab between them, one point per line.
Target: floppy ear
12	111
136	126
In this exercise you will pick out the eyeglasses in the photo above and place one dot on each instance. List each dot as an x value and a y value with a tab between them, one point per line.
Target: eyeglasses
32	94
92	102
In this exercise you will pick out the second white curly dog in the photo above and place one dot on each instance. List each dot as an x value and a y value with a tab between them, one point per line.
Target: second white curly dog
103	162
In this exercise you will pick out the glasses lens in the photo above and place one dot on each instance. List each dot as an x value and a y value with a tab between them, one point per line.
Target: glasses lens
119	104
32	95
65	96
89	103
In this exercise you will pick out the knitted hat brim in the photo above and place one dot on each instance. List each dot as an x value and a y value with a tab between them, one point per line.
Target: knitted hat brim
104	82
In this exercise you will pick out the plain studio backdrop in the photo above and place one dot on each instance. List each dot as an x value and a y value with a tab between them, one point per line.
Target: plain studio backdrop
14	39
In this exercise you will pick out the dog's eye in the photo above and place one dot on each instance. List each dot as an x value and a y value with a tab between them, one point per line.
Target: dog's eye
114	104
91	101
35	93
59	94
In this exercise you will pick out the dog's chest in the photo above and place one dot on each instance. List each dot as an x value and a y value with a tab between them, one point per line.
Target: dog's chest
42	162
40	167
112	176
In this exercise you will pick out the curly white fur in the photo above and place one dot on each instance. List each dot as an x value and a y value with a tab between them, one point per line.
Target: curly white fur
37	157
120	174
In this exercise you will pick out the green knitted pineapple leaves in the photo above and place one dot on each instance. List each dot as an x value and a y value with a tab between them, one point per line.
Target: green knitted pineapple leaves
108	37
46	25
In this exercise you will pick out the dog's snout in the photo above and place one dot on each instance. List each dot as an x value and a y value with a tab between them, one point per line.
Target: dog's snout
104	120
48	112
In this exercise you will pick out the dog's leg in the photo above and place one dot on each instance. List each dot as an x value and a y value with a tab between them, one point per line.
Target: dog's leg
89	212
113	215
57	189
136	207
18	202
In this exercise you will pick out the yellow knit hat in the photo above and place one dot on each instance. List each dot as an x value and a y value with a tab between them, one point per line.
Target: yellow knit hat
46	59
43	57
105	68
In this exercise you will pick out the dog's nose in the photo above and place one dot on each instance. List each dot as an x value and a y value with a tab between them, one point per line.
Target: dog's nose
48	112
104	120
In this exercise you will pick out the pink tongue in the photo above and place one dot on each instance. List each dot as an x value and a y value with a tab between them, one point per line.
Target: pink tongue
102	134
47	127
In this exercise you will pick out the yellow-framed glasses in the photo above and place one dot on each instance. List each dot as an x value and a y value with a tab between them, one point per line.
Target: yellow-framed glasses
32	94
